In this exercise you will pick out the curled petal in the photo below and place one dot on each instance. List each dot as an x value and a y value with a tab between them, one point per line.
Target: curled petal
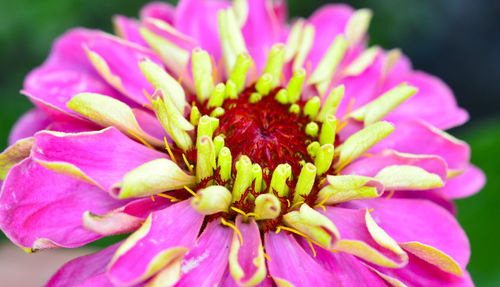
106	111
408	177
417	225
88	270
40	209
246	259
419	137
349	187
117	62
373	164
31	122
160	243
102	158
14	154
124	219
205	264
361	236
151	178
420	273
289	262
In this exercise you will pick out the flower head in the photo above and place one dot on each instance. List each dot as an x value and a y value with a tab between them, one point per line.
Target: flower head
237	149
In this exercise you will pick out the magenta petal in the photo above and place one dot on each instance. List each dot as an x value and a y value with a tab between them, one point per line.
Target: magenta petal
433	195
31	122
124	219
329	21
227	280
150	124
434	102
101	157
40	209
88	270
64	74
289	262
465	184
158	10
122	58
258	40
352	226
198	19
72	127
173	228
371	165
418	137
204	265
347	268
414	220
421	273
128	29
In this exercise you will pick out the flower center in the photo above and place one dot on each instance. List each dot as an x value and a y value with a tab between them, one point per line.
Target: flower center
265	131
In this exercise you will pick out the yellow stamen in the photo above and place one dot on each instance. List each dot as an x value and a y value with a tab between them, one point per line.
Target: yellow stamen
153	198
301	234
367	154
371	209
283	80
169	150
140	139
252	214
391	193
297	203
340	126
180	80
173	199
224	222
239	211
214	76
288	203
350	106
324	208
323	201
312	248
190	166
267	256
191	191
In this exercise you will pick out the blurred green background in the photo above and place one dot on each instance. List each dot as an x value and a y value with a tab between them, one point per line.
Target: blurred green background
457	40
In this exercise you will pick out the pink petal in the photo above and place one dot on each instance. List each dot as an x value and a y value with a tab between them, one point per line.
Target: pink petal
122	58
175	227
248	252
64	74
158	10
258	40
432	195
291	263
347	268
87	270
371	165
150	124
465	184
128	29
418	137
198	19
352	226
434	102
414	220
204	265
124	219
31	122
40	209
421	273
228	281
329	21
101	157
72	127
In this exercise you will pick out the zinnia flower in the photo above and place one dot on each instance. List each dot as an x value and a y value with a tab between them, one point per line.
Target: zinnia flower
241	150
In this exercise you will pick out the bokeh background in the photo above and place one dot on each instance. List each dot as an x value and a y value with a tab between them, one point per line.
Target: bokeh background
457	40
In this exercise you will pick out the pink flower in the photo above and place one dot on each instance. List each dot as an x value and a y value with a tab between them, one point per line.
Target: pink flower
233	159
